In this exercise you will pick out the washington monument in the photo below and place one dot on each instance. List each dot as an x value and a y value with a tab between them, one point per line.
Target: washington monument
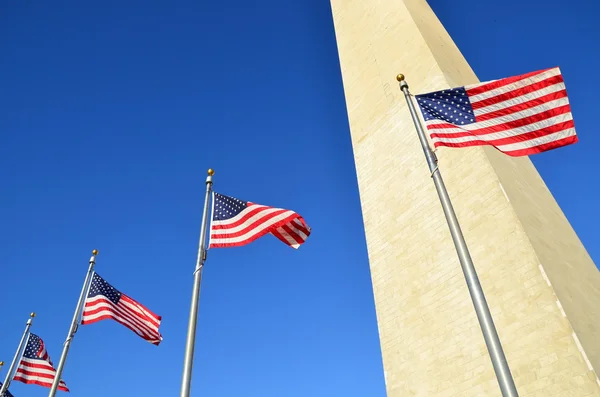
541	285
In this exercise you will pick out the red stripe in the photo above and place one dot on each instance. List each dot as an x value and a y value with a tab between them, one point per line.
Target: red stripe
135	315
125	318
518	92
147	314
501	83
138	320
516	153
134	323
280	236
522	106
148	336
26	373
292	234
36	382
256	225
557	111
121	314
248	213
542	131
115	313
45	365
303	227
528	135
271	229
112	316
545	147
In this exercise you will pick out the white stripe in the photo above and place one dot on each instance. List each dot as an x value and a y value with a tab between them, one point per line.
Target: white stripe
144	315
251	220
502	134
511	87
246	236
115	312
432	124
287	237
37	371
512	146
218	239
33	378
520	99
259	215
136	312
239	216
34	361
27	365
538	141
295	226
123	313
212	216
126	321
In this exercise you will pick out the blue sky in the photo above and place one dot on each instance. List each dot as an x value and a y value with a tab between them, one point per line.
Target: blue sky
111	115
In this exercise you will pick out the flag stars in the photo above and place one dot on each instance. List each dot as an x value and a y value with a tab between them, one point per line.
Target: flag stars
227	207
447	105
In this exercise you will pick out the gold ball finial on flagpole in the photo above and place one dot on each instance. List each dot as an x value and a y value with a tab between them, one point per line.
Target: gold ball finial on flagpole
211	172
400	77
1	363
32	315
94	252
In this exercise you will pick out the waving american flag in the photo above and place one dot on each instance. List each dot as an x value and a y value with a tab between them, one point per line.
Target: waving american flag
519	115
35	366
106	302
236	222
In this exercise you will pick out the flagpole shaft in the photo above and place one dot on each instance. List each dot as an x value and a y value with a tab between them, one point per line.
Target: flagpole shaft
188	363
73	327
17	357
505	380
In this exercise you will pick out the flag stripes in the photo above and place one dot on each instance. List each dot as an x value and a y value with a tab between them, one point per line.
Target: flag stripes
236	222
35	366
520	115
106	302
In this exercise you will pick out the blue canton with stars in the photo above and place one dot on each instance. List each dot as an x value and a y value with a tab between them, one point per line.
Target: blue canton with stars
33	348
101	287
452	106
227	207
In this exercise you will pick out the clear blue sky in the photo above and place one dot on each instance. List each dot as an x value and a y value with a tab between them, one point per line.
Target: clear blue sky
111	114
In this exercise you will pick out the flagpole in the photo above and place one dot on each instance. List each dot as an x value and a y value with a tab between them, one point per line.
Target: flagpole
74	326
17	357
505	380
188	362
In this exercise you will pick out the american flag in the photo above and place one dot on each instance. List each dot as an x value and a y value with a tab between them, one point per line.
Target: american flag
105	302
36	367
519	115
6	393
236	222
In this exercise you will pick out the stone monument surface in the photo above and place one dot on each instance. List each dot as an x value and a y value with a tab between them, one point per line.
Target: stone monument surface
540	283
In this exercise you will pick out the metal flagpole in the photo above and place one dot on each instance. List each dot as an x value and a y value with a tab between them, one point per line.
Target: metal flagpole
74	325
188	362
17	357
505	380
